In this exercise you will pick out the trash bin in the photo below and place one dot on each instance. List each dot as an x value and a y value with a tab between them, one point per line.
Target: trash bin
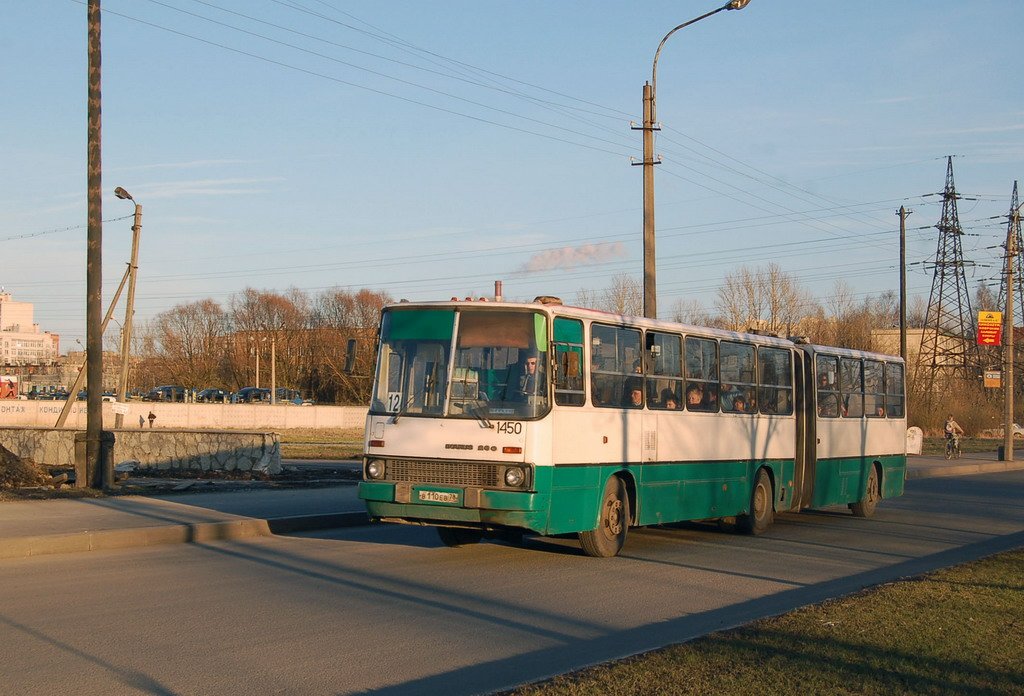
1001	453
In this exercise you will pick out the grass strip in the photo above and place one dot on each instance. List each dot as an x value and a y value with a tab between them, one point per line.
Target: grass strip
954	631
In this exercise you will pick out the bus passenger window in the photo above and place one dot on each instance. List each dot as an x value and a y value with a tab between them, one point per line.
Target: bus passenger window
827	386
702	371
894	390
775	372
874	389
664	370
614	355
851	385
569	377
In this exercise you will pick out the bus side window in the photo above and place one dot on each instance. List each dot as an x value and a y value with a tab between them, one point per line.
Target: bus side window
827	386
894	390
874	390
569	376
775	377
614	354
664	371
851	384
702	371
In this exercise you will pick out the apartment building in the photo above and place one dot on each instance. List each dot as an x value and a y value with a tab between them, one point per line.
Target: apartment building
21	340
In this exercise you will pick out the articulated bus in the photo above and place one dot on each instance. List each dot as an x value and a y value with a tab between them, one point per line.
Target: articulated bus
498	418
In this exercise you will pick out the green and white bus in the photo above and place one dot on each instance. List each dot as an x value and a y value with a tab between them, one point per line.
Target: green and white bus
495	418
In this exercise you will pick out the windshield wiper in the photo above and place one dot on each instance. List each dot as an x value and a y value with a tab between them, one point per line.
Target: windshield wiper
480	415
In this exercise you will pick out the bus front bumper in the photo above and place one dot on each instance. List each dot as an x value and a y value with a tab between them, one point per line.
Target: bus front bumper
469	506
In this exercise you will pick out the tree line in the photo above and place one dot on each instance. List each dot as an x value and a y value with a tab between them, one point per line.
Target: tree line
206	344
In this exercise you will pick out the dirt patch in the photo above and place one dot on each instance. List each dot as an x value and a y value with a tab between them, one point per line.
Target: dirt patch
21	472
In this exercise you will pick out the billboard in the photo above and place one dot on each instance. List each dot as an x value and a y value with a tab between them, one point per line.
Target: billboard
8	386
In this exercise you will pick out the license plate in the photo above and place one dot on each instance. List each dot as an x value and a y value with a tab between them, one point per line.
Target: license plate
438	497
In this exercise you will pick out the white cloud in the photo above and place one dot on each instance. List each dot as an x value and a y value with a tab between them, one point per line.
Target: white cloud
570	257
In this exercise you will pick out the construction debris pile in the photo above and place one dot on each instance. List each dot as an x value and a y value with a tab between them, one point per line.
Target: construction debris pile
18	472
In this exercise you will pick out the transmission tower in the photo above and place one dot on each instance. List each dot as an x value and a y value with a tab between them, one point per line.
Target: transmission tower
1013	228
948	347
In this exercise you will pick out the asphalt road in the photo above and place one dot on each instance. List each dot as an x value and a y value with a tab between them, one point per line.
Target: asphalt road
388	610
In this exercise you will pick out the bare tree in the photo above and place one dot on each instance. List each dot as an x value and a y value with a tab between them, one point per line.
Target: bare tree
623	296
690	312
188	340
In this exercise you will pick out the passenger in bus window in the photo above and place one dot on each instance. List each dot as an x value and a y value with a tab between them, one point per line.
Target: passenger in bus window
710	402
729	394
739	404
694	396
669	399
633	394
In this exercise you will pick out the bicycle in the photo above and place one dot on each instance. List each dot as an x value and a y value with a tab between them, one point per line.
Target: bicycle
953	447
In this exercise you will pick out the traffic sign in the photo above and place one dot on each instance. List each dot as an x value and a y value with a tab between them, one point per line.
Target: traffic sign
993	379
990	328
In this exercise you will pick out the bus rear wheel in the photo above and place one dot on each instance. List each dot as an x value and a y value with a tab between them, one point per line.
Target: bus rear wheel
761	512
865	507
459	536
607	540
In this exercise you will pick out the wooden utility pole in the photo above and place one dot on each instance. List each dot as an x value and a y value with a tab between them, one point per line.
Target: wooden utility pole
96	465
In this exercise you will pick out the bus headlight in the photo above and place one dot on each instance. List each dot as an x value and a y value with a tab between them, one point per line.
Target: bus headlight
514	476
375	468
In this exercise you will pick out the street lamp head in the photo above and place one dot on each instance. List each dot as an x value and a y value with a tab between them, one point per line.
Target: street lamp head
122	194
737	4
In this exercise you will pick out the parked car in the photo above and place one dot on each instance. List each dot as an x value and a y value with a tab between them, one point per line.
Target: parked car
174	393
213	395
249	395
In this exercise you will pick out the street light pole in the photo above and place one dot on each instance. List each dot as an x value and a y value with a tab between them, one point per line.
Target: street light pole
649	126
129	311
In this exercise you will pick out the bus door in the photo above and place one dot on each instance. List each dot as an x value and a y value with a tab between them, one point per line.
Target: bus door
806	433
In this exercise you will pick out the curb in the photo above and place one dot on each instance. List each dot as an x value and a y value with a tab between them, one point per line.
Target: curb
196	533
962	469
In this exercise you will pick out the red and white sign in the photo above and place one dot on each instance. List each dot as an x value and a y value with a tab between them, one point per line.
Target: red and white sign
990	328
8	386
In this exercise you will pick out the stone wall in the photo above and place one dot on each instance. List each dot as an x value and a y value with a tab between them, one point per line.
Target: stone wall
43	414
208	450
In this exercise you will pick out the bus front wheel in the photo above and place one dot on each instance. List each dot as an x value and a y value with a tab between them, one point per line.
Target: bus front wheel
865	507
761	512
607	540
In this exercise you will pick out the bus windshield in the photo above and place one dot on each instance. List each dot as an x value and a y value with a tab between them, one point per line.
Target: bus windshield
470	363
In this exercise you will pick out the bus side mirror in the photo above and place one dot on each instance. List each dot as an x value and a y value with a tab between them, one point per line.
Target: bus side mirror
350	357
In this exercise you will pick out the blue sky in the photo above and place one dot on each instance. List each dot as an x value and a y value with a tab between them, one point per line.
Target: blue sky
491	140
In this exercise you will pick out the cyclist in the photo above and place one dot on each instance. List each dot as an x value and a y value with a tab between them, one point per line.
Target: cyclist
952	429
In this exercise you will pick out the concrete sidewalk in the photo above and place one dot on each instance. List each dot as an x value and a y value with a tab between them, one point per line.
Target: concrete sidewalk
37	527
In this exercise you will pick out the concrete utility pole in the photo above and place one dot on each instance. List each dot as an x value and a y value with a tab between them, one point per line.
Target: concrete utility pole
273	368
98	470
1011	252
903	213
129	310
649	126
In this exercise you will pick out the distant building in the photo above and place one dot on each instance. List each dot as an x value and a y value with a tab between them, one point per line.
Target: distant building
21	341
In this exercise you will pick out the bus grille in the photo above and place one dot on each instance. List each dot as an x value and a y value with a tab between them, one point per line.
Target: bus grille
448	473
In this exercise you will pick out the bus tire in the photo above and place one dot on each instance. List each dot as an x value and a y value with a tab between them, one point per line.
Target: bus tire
865	507
459	536
761	512
613	522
